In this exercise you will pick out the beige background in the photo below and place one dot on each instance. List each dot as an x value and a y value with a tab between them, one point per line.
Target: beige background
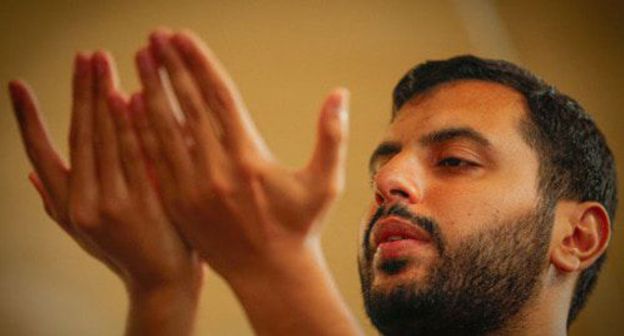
285	56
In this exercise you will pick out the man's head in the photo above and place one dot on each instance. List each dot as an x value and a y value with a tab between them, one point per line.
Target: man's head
494	178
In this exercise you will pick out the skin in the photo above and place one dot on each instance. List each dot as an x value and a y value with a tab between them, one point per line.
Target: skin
106	203
461	195
463	182
254	221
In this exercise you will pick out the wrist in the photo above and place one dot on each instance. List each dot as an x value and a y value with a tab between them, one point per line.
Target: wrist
283	260
159	294
294	294
165	309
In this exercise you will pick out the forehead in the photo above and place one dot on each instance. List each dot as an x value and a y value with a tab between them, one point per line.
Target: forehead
490	108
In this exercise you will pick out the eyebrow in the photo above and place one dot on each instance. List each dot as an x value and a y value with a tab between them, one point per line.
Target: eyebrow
447	134
389	148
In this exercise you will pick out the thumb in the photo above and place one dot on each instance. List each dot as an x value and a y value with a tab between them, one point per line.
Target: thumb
327	165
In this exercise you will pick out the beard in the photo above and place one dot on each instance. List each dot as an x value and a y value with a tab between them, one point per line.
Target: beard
473	289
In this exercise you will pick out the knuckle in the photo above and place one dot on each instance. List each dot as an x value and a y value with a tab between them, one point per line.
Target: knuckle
219	188
248	172
83	218
248	167
112	209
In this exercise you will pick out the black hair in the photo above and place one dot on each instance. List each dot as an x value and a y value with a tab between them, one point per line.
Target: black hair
575	160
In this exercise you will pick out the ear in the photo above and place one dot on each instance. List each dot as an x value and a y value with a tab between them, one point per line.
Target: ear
580	236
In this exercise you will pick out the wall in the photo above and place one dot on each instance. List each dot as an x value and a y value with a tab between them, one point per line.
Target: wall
285	57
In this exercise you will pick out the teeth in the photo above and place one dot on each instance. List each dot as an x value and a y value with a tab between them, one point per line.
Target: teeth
394	238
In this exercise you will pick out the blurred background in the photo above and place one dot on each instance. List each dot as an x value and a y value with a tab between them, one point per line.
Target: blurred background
285	56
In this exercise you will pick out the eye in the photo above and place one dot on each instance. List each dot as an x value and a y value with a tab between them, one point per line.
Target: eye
455	162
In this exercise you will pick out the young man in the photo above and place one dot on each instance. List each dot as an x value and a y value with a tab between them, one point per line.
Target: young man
491	212
494	195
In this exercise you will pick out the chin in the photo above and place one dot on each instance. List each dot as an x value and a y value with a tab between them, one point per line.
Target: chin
389	274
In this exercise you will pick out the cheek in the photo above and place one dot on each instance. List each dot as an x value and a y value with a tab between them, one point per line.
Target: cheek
459	214
472	208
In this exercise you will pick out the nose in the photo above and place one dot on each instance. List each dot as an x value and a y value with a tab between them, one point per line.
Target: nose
399	180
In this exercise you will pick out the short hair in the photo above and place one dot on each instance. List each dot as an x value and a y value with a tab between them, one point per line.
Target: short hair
575	162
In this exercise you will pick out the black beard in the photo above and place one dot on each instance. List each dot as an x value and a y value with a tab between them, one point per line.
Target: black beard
472	290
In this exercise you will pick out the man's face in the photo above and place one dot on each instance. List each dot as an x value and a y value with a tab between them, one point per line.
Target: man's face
455	235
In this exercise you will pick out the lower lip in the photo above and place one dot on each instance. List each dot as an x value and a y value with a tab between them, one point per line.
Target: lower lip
398	248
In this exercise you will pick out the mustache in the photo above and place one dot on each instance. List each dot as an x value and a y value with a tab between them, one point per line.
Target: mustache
428	224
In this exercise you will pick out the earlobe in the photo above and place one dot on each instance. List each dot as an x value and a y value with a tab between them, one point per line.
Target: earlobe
580	237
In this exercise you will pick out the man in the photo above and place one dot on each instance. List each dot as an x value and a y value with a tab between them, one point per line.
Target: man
494	194
493	199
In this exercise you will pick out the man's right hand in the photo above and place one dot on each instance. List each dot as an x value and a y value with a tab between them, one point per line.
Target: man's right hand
232	200
106	201
256	222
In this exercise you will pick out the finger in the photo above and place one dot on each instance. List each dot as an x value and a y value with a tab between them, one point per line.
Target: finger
219	92
185	90
45	197
129	146
45	159
328	160
191	101
162	121
83	177
160	175
110	175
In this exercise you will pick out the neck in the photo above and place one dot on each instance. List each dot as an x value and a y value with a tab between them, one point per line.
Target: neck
546	312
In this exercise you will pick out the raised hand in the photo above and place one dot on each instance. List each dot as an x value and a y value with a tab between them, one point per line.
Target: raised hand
106	201
253	220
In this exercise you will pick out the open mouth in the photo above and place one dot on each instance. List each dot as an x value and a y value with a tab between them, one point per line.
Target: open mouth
394	229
